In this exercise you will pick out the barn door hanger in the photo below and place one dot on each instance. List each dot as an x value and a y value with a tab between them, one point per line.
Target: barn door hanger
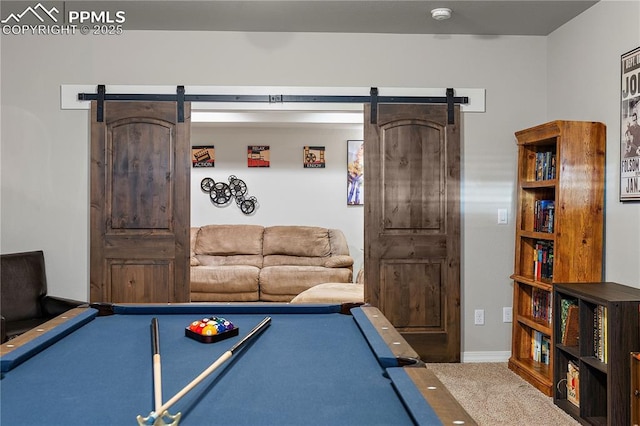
449	99
180	97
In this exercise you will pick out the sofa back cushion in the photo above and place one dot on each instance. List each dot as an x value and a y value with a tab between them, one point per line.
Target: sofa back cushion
339	245
193	235
306	241
226	240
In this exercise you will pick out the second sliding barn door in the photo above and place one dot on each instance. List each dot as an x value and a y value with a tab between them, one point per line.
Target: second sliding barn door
412	225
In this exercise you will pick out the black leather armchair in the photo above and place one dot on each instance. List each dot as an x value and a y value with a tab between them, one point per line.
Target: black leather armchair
24	303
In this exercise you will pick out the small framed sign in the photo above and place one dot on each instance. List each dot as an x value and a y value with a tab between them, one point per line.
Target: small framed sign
203	156
258	156
313	157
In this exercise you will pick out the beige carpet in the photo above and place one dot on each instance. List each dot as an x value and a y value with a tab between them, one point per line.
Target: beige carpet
494	395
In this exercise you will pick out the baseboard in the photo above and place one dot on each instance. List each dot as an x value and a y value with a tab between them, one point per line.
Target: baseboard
486	356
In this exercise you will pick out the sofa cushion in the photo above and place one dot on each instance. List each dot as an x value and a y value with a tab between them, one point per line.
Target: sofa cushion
340	261
240	259
225	279
225	283
284	260
193	235
283	283
338	242
224	240
306	241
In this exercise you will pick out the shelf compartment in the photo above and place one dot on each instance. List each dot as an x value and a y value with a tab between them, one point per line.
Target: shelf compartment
529	251
525	353
538	161
593	383
560	391
534	307
529	208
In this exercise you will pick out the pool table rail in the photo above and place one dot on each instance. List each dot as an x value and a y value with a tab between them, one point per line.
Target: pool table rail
404	354
17	350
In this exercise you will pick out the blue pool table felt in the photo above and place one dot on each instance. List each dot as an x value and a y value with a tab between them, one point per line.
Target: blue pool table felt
303	369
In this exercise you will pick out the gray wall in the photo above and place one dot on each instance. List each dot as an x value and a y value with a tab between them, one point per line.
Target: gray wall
584	83
45	155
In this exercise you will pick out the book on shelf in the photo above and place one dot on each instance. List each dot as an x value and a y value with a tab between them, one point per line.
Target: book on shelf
573	383
544	211
543	260
541	305
569	322
570	334
600	333
540	347
545	165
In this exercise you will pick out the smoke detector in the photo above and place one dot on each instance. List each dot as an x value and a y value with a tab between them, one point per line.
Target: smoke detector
441	13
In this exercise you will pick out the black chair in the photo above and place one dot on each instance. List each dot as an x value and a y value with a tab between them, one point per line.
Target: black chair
24	303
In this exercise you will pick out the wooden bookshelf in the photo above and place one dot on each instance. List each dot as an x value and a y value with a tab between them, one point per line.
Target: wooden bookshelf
609	331
559	223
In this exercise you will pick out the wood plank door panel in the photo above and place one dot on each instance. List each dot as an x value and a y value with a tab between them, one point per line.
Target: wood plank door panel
412	225
140	203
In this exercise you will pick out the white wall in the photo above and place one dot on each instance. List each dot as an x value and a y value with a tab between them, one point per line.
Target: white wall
287	193
584	84
45	155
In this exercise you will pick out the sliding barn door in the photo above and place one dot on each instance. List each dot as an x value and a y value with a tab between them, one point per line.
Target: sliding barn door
412	225
140	203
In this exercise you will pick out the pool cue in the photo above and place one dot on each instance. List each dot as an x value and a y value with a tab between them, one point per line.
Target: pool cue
157	370
159	412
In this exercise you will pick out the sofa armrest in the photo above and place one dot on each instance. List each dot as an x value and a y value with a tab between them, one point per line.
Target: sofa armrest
53	306
340	261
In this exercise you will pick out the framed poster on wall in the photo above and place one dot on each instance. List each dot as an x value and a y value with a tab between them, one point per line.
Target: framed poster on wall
355	172
629	127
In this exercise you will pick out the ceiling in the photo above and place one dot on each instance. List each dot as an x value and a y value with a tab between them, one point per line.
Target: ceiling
478	17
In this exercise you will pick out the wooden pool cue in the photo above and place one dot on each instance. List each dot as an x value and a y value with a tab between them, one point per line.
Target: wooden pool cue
157	370
160	412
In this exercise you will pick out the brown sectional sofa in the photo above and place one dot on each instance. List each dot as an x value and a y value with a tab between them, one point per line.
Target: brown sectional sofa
250	263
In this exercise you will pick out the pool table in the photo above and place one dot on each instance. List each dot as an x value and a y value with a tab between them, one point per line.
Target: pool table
314	364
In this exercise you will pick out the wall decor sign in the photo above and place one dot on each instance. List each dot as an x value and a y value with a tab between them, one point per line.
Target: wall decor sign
355	172
313	157
203	156
629	127
258	156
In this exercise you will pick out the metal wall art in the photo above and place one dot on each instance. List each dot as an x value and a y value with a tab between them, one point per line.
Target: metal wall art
221	193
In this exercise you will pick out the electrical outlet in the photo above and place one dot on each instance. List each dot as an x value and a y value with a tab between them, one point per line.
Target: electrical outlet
479	317
507	314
